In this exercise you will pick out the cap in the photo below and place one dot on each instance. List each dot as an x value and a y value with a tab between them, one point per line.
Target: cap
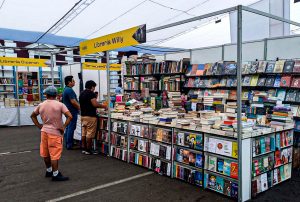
50	90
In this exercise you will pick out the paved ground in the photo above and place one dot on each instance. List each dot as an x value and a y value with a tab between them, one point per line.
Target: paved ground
22	177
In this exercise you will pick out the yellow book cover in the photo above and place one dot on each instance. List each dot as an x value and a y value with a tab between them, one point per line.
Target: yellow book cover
159	134
234	149
140	160
254	80
279	66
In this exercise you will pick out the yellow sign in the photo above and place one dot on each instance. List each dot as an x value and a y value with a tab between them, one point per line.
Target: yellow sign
8	61
100	66
128	37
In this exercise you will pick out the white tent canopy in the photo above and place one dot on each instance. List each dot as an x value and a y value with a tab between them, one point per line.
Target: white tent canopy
93	18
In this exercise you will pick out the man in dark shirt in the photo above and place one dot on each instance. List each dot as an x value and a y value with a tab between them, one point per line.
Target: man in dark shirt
88	105
69	98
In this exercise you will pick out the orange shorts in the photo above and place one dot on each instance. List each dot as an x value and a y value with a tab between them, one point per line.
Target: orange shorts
51	146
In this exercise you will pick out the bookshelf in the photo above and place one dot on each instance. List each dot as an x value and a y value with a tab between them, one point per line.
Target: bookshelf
205	158
188	156
46	79
28	86
118	141
271	160
8	89
161	150
156	76
102	136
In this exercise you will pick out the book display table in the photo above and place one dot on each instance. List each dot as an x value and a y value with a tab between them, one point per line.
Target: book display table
205	158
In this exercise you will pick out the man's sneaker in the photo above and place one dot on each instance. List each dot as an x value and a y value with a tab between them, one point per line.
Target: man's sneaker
48	174
83	152
88	152
59	177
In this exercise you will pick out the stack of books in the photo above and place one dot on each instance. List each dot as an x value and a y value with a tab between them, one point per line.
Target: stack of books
282	117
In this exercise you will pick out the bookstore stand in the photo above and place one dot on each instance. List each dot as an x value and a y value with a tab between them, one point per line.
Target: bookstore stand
244	145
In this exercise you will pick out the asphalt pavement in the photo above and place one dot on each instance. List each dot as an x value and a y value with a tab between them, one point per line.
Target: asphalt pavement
97	177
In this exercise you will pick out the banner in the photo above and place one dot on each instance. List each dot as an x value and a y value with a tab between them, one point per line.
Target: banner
128	37
100	66
8	61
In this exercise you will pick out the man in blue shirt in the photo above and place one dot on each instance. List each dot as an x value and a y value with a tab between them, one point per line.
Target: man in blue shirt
69	98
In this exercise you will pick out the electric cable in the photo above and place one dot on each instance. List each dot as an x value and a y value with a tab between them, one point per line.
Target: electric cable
2	4
57	22
113	20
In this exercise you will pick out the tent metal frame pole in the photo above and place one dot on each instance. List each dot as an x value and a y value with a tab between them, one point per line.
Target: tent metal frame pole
270	16
52	66
239	99
17	93
193	19
108	101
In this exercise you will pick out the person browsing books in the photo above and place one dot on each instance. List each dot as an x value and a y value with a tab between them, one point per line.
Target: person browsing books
88	105
69	98
52	131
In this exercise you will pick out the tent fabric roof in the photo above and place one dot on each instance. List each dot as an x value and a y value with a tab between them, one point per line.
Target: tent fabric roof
27	20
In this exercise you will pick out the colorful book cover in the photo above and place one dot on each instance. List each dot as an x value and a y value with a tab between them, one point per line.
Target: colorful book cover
212	184
180	139
279	66
285	81
270	67
212	163
254	80
227	151
234	190
280	94
281	170
254	187
262	145
277	81
199	142
287	171
192	141
277	158
246	67
270	81
198	178
219	146
200	70
277	141
264	182
186	155
192	159
275	176
234	170
205	180
220	165
296	82
179	155
268	144
234	150
284	156
227	167
261	81
255	167
220	184
230	68
199	160
262	66
288	66
246	81
212	144
254	67
194	69
227	187
296	68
